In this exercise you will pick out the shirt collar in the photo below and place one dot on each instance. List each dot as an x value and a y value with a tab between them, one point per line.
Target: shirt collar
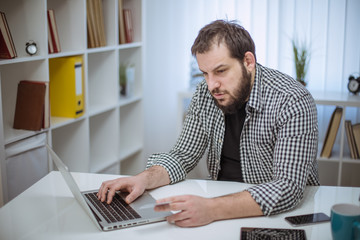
255	99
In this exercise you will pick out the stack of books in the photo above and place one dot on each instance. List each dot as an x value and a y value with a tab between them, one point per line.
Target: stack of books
95	24
352	133
7	46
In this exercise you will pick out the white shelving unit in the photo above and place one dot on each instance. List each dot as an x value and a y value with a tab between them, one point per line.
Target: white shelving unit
339	169
109	136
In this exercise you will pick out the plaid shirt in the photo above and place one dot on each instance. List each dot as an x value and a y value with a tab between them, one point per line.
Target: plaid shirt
278	143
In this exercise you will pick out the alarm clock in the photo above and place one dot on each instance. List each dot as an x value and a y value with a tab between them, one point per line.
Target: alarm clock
354	84
31	48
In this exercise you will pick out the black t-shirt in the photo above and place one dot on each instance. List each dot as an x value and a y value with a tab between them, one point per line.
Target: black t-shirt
230	155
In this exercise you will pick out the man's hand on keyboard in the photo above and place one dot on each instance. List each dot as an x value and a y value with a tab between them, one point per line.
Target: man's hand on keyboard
133	185
151	178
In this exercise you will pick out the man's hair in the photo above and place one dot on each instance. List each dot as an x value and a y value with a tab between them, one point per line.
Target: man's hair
235	37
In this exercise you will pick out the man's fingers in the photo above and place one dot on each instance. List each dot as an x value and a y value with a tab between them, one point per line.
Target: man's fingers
102	192
170	206
184	223
107	191
110	195
178	217
133	195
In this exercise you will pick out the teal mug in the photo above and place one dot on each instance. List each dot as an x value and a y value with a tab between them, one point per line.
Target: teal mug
345	222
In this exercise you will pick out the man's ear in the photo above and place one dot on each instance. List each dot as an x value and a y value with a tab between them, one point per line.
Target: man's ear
249	61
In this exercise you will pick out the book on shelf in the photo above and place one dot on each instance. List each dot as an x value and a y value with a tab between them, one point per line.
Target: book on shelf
331	132
351	140
7	46
53	35
122	38
66	86
356	132
95	24
128	23
32	106
100	22
50	43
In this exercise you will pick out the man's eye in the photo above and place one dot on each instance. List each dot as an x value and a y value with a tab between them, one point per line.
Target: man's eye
221	70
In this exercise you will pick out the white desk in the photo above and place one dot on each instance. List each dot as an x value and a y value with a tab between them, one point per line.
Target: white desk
47	210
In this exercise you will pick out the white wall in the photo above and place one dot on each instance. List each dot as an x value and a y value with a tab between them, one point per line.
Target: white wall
332	27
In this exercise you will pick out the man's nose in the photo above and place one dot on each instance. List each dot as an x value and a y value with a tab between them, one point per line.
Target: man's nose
213	83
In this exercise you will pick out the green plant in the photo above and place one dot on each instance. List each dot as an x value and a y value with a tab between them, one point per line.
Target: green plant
302	59
122	78
122	74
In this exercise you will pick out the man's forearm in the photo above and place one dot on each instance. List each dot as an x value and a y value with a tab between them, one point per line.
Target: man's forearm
154	177
235	205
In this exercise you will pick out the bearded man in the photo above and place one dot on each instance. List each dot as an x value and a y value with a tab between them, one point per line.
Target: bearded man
257	125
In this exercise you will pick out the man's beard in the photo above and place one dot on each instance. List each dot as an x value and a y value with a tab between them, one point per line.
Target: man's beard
240	96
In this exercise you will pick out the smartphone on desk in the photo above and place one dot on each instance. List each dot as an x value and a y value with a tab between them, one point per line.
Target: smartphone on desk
306	219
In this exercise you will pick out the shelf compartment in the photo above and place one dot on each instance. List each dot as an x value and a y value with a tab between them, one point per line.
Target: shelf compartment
10	77
132	57
103	139
131	129
102	81
71	143
71	24
30	15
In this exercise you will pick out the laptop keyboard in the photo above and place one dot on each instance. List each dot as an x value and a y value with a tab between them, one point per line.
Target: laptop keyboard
118	210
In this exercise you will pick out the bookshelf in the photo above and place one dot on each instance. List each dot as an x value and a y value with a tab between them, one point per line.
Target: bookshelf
337	170
108	137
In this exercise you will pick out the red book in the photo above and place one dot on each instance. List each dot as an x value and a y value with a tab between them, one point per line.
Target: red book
54	36
7	47
50	41
129	31
4	50
30	105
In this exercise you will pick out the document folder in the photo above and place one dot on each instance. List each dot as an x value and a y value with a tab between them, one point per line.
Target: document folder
66	86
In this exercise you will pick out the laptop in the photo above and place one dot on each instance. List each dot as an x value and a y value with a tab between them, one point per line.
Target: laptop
116	215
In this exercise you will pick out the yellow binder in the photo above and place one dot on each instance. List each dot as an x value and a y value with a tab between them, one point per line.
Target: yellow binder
66	86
